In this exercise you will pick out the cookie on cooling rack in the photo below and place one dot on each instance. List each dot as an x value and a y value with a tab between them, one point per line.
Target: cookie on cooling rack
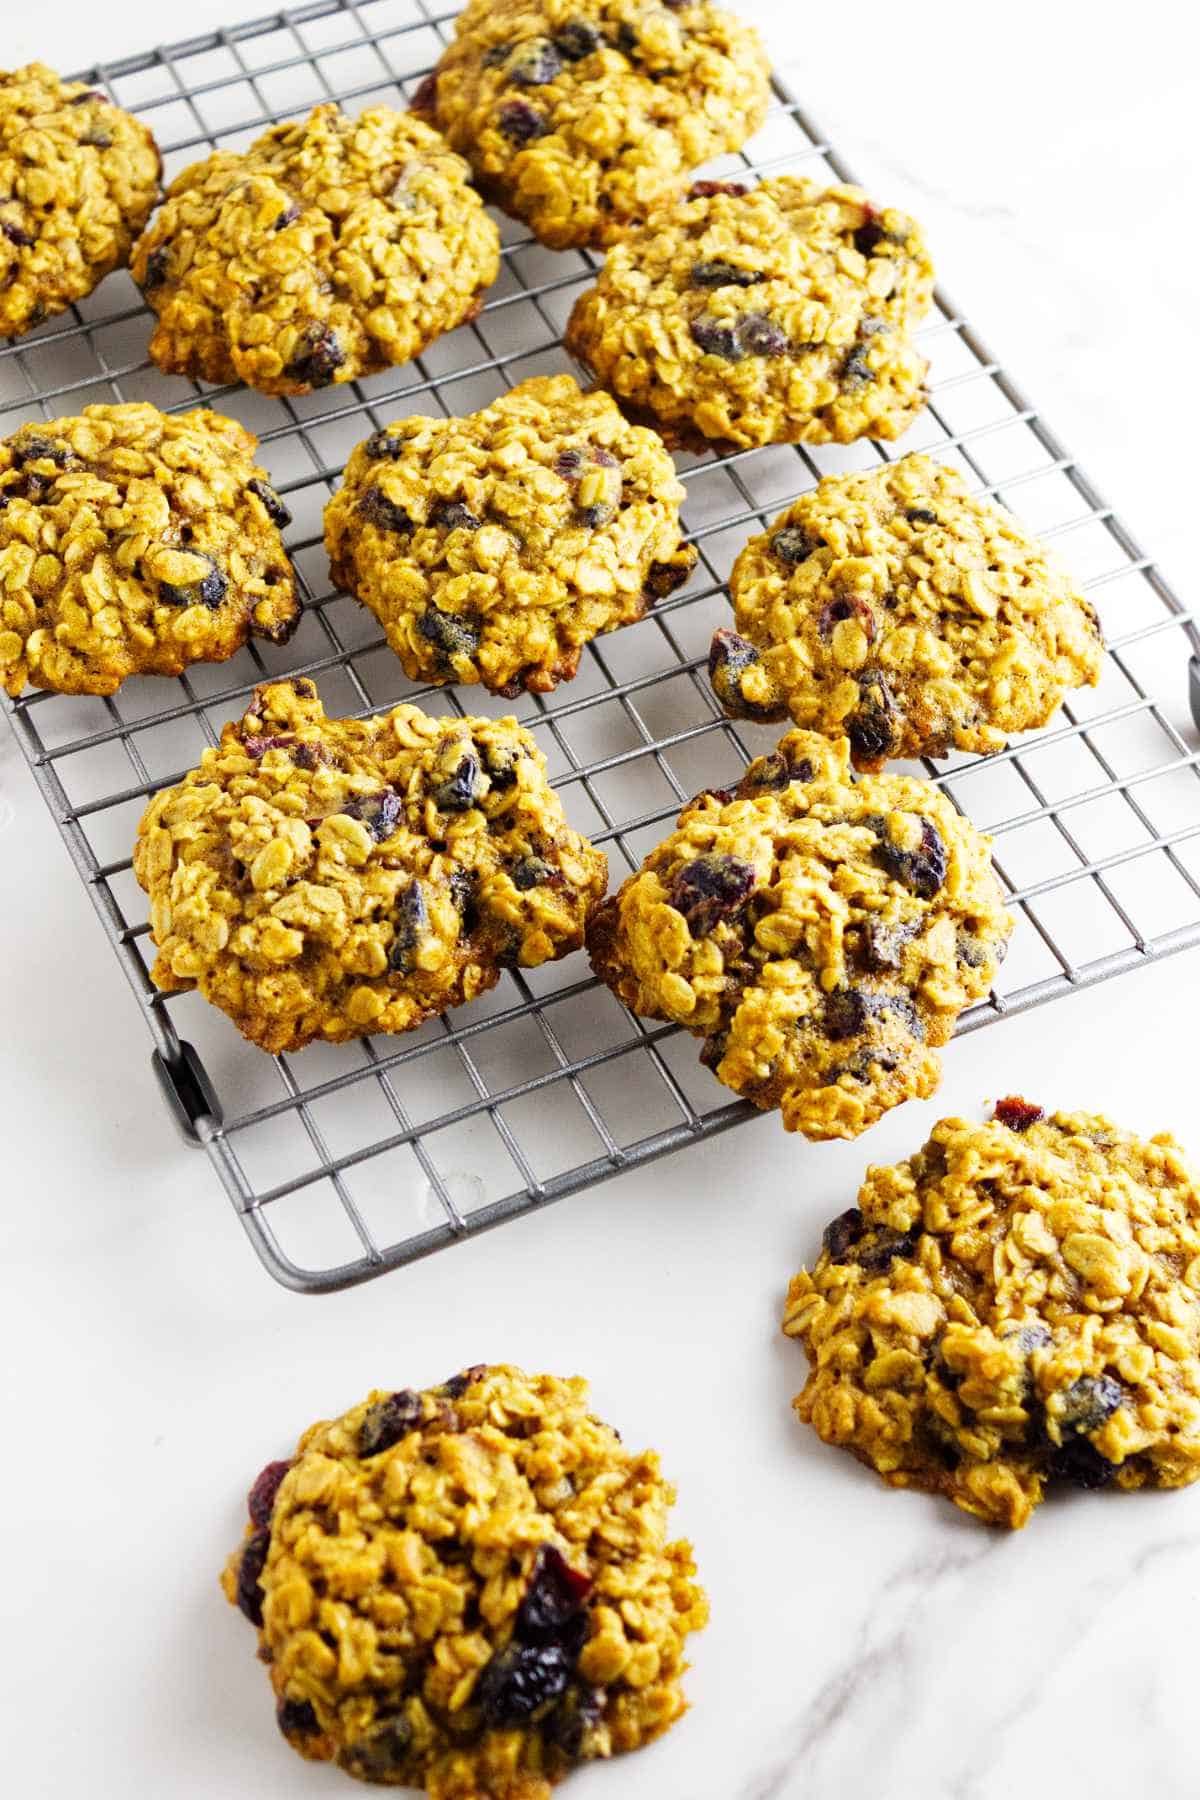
492	548
576	115
135	542
820	934
329	249
78	177
901	612
781	313
489	1569
326	878
1016	1305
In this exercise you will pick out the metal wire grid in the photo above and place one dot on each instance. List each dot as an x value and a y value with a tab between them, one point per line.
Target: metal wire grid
353	1160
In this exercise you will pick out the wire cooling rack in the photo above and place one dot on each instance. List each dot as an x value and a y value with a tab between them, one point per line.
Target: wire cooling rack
345	1161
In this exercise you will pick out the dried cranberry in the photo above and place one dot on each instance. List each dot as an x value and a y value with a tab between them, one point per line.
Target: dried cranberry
921	870
522	1679
16	234
1017	1114
296	1718
604	458
277	512
377	509
385	1423
249	1592
456	1386
868	237
260	1501
717	274
462	790
520	122
711	890
577	39
452	515
424	99
87	95
410	922
449	632
791	545
536	63
318	356
569	463
706	190
759	336
554	1599
384	444
729	657
842	1233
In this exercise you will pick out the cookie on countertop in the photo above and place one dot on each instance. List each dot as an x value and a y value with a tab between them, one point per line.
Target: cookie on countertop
781	313
492	548
900	611
78	178
327	878
1016	1305
135	542
331	248
468	1589
578	115
820	934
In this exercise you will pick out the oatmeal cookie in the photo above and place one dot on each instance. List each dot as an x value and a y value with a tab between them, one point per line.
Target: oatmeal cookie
329	249
576	115
135	542
325	878
78	178
821	935
1018	1304
468	1589
776	314
898	611
492	548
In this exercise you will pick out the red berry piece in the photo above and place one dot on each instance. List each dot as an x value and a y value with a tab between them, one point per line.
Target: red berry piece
1016	1113
260	1501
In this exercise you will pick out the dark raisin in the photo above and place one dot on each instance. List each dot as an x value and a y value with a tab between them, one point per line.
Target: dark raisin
521	1680
1089	1402
385	1423
577	39
713	1051
923	870
16	234
874	1252
496	56
662	578
531	872
382	444
520	122
627	39
768	772
842	1233
712	889
705	190
98	139
577	1713
462	790
846	606
277	512
260	1501
554	1599
921	515
1031	1337
729	657
456	1385
380	813
868	237
449	632
210	591
759	336
716	337
258	746
464	885
536	63
287	217
855	371
569	463
501	761
717	274
249	1592
376	1757
1079	1462
1016	1113
870	729
452	515
593	517
846	1013
30	446
87	95
158	268
410	922
605	458
296	1718
377	509
318	356
790	545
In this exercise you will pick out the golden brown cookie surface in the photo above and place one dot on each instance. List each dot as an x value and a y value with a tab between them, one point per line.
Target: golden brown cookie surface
135	542
577	115
492	548
468	1590
1018	1304
329	249
780	313
78	177
326	878
898	610
821	935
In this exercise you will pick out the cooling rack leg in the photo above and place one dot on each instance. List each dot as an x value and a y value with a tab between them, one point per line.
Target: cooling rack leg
1194	688
187	1090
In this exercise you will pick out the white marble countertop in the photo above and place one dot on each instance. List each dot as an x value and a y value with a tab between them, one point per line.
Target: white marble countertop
862	1643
